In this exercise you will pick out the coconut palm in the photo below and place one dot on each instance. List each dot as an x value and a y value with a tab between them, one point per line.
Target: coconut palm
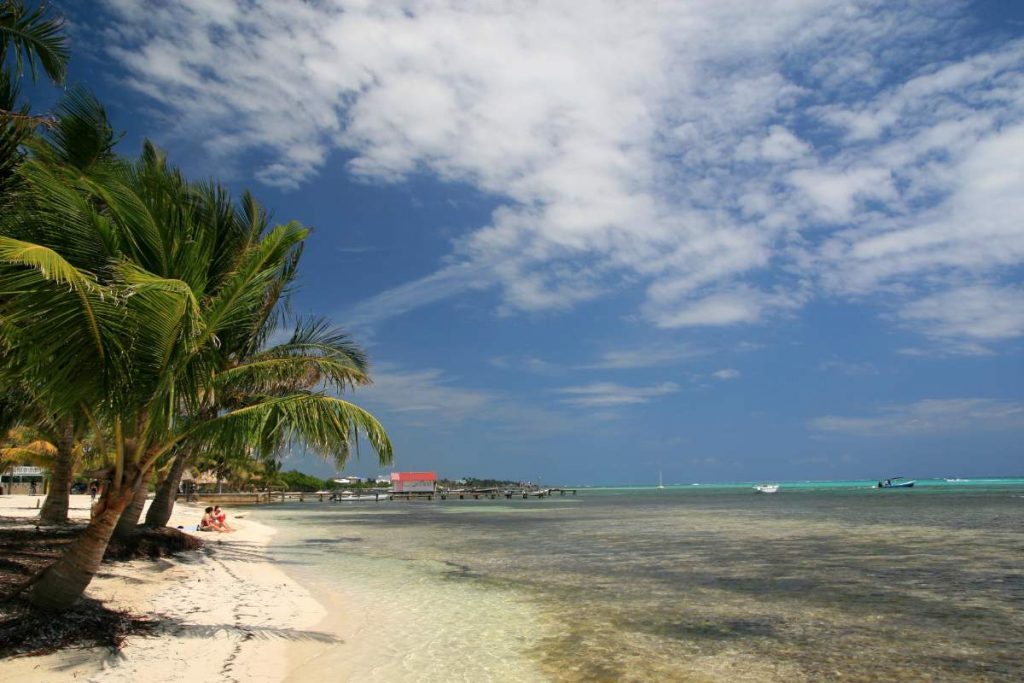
79	141
315	354
115	293
56	445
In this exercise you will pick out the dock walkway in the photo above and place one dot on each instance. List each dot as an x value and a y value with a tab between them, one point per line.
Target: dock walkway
265	497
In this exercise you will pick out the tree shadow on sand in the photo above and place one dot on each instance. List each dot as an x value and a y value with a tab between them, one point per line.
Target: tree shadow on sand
175	626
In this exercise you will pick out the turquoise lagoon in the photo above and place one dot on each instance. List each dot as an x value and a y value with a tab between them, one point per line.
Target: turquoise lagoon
821	581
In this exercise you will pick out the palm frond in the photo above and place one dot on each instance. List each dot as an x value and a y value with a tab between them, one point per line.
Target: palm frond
15	127
28	455
275	375
325	424
34	37
51	265
316	336
81	134
237	303
63	330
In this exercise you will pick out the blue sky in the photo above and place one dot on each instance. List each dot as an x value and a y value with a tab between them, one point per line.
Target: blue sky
586	242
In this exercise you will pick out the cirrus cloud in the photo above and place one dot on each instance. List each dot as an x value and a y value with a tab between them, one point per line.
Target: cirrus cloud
734	159
929	416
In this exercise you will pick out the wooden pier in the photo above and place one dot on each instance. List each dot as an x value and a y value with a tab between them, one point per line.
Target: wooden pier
265	497
481	494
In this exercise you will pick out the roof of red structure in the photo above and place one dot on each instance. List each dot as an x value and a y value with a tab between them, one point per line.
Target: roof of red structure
413	476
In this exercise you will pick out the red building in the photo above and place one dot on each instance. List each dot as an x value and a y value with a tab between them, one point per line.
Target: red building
413	482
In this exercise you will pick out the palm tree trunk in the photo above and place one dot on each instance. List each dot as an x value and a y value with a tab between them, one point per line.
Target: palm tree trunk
130	517
66	579
163	503
55	507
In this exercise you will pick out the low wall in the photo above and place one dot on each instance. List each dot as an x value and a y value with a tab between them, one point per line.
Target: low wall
228	498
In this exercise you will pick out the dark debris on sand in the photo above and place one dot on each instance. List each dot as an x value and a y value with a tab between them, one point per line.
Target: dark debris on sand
28	630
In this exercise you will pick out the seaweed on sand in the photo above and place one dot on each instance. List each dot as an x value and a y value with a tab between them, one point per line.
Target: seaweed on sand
28	630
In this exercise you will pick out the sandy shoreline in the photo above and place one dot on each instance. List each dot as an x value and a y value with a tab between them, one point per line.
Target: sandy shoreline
226	613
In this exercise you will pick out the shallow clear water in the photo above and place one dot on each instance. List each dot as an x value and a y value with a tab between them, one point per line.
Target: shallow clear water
818	582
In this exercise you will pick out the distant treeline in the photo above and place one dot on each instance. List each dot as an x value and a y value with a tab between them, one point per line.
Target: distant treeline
294	480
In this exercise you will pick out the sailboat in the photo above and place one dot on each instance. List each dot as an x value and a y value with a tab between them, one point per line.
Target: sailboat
660	485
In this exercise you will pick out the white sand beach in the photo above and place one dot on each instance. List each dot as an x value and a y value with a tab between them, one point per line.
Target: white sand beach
226	613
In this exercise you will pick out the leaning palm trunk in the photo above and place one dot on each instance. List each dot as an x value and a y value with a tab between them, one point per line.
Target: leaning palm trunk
130	517
64	581
160	509
55	507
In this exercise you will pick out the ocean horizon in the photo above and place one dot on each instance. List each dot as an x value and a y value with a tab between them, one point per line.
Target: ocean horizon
797	484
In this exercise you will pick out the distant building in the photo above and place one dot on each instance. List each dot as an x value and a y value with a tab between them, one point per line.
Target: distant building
21	479
348	480
413	482
27	472
382	479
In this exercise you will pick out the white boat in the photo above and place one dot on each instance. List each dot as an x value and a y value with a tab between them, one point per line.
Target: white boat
660	485
767	488
895	483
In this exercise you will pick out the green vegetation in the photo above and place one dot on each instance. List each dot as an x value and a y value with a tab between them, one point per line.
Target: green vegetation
135	311
293	480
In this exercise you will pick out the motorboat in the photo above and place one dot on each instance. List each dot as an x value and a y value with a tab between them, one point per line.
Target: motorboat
895	483
767	488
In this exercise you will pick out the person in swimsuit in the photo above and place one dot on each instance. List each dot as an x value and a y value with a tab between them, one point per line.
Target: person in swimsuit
209	522
221	518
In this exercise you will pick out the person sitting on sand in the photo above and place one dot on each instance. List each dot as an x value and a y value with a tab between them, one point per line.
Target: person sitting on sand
209	522
221	518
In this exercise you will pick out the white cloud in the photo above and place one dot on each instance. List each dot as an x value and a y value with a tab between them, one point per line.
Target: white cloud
726	308
426	290
431	401
647	356
726	374
424	392
782	145
734	158
978	313
835	194
930	416
531	364
610	394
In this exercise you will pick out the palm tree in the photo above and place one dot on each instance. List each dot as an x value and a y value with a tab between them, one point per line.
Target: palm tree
59	447
315	354
109	301
80	140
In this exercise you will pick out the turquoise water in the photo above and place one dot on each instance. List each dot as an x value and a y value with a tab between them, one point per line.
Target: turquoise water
944	483
822	581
